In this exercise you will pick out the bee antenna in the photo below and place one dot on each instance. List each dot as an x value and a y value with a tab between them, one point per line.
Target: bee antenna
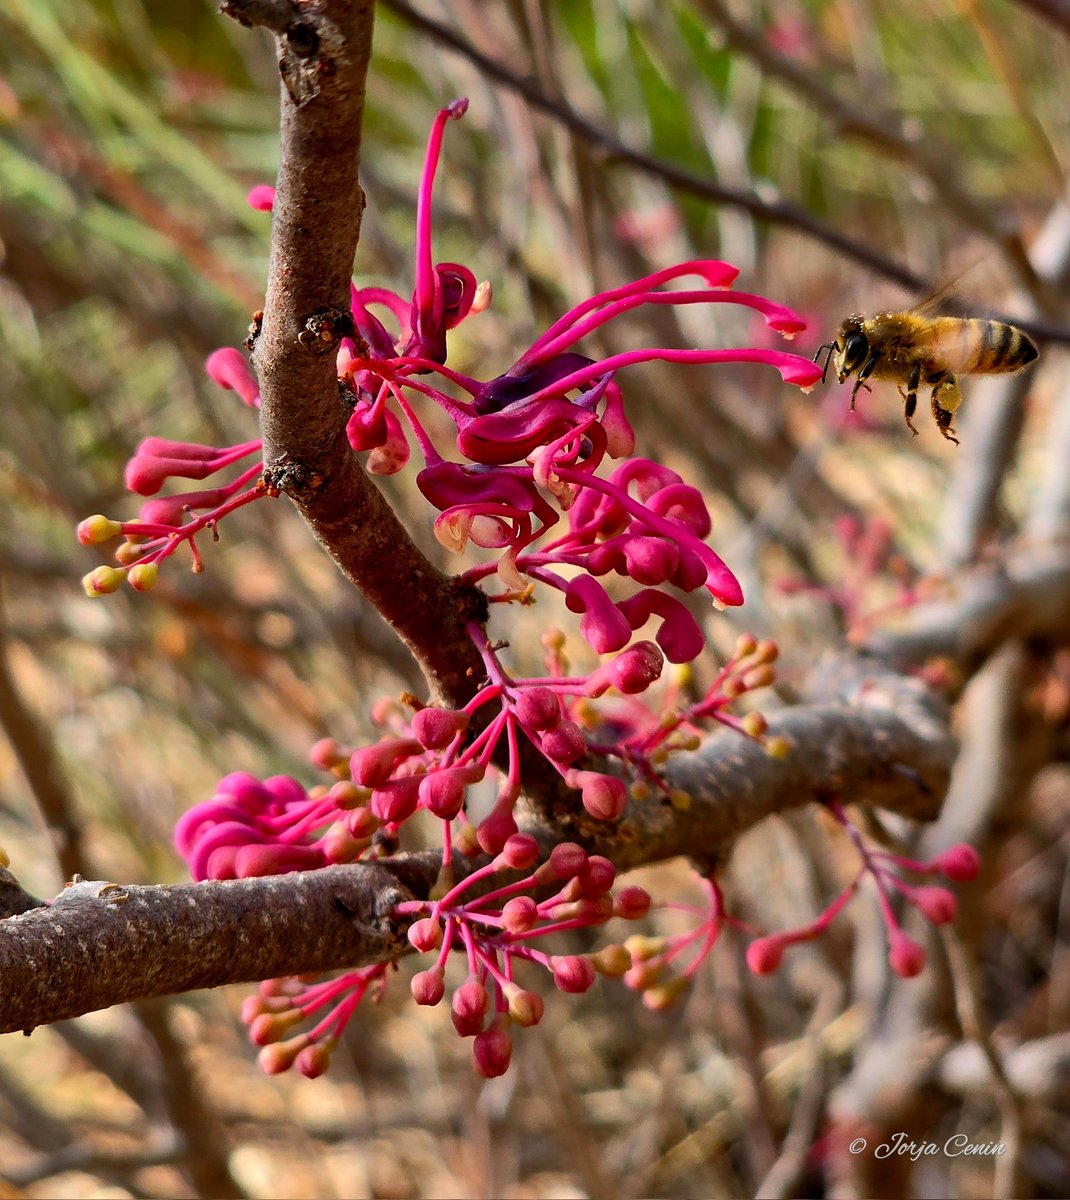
828	346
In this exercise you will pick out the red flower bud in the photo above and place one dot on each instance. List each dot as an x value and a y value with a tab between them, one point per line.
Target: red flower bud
492	1051
960	863
905	957
468	1008
765	954
572	973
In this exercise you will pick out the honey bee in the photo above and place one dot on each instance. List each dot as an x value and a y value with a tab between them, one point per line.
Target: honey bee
915	351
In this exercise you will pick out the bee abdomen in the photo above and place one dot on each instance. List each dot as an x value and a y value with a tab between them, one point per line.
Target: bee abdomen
995	347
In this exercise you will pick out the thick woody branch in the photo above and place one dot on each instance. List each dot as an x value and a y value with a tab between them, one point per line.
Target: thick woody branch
323	52
1025	595
100	943
874	736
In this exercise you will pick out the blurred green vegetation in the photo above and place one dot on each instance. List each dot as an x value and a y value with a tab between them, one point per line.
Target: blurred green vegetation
129	133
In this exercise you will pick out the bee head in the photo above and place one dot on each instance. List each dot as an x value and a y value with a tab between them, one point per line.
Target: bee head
851	348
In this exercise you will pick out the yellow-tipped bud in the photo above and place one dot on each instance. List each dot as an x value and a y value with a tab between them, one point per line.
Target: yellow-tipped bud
641	947
98	528
754	724
680	800
611	961
143	577
746	644
128	553
665	995
103	580
758	677
777	747
767	651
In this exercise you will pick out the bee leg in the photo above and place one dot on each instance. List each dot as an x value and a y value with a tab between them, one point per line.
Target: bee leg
946	397
910	395
863	375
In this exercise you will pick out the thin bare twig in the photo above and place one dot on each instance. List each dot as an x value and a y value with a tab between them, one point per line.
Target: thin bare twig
878	129
613	149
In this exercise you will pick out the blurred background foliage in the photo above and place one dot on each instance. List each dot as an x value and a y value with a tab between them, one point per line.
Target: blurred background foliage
930	134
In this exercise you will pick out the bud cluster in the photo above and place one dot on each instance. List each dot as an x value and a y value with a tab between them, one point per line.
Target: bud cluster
959	863
493	931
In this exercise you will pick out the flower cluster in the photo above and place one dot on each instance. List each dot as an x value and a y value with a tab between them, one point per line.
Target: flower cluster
526	475
529	441
495	930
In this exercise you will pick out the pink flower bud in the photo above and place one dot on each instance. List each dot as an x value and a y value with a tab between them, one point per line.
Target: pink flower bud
598	876
634	670
588	910
425	934
362	823
277	859
960	863
564	743
604	796
936	904
765	954
372	766
572	973
520	914
905	957
566	860
497	827
397	800
537	708
261	197
631	903
443	792
428	987
339	845
468	1008
327	754
273	1060
492	1051
228	368
435	728
603	626
520	851
678	635
314	1060
273	1027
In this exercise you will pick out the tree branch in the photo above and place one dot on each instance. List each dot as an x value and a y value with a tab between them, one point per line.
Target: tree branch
323	57
100	943
878	737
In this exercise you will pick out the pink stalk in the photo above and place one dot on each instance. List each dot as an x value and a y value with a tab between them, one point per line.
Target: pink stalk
717	274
